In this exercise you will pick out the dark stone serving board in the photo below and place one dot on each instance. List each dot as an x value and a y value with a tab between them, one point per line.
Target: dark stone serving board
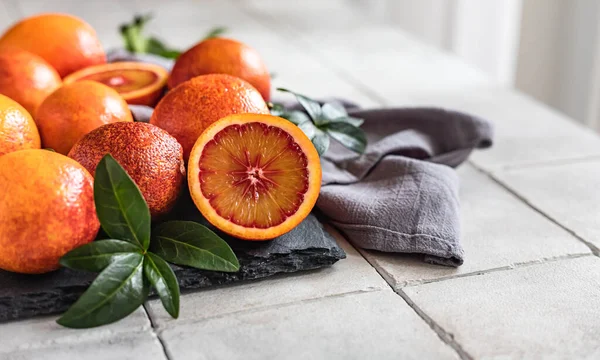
306	247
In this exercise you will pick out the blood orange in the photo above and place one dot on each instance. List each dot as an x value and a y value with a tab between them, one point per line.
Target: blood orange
254	176
138	83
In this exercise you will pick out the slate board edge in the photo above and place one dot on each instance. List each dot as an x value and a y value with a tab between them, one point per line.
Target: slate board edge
58	300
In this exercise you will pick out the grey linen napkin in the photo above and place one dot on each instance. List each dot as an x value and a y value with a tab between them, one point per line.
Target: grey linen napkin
401	195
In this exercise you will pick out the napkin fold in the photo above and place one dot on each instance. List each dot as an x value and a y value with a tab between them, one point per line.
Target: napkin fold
401	195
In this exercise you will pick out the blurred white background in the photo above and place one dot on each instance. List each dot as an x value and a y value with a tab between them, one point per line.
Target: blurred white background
549	49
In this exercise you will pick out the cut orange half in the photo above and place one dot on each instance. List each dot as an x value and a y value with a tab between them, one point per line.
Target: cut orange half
254	176
138	83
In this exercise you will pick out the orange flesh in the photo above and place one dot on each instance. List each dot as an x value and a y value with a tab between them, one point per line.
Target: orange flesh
124	80
250	177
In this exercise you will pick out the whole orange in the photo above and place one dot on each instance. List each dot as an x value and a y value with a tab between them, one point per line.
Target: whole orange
152	157
222	56
75	109
65	41
195	104
47	208
17	128
26	78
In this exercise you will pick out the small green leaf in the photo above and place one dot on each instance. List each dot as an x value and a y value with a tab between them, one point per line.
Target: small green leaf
117	292
163	279
121	208
333	111
296	117
191	244
50	149
157	47
277	109
215	32
132	34
308	128
312	107
97	255
350	136
321	142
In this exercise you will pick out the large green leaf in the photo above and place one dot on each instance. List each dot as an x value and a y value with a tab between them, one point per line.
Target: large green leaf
120	206
116	293
191	244
312	107
333	111
97	255
350	136
163	279
309	129
321	142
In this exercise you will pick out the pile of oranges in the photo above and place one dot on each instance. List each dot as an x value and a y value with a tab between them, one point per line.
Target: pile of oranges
62	108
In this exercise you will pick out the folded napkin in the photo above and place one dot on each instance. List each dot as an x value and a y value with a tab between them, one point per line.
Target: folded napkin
401	195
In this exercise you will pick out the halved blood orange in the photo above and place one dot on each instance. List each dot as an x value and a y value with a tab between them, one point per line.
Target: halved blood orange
138	83
254	176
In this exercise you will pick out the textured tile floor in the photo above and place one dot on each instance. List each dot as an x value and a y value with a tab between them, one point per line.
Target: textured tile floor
529	287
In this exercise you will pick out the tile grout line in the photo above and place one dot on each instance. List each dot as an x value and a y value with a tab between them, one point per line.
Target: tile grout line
583	159
163	345
519	265
444	336
267	307
591	246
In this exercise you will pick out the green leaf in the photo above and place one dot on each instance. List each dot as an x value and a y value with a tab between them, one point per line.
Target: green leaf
309	129
312	107
157	47
191	244
97	255
163	279
297	117
350	136
277	109
321	142
333	111
135	41
132	36
50	149
120	206
117	292
215	32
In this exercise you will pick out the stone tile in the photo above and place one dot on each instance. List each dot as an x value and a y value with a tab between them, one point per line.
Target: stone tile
567	193
526	132
381	57
349	275
45	332
131	346
374	325
549	310
498	231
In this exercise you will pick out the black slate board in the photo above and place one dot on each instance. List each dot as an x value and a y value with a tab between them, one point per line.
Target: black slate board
306	247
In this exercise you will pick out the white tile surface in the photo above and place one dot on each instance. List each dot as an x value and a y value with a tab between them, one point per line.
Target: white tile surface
349	275
526	132
568	193
45	332
498	231
130	346
542	311
374	325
